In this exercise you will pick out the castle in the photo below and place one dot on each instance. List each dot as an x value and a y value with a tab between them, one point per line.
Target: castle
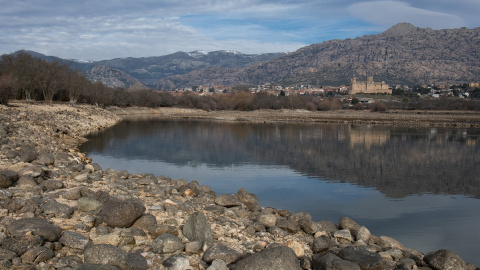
368	86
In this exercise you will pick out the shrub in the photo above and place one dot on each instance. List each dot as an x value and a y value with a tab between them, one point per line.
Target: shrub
378	106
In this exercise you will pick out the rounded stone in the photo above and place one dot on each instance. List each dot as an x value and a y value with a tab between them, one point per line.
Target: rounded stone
118	213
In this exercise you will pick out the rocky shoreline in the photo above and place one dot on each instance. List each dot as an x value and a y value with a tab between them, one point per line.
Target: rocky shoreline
58	210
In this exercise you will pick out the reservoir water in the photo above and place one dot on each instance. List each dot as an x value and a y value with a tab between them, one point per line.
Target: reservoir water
420	186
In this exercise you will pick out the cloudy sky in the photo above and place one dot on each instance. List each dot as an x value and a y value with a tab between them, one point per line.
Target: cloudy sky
96	30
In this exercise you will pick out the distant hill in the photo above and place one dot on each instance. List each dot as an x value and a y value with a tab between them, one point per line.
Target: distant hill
125	72
404	54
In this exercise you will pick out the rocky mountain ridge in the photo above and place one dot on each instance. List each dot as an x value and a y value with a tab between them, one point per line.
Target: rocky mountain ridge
125	72
404	54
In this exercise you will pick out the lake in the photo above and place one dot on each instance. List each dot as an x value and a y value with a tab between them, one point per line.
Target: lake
420	186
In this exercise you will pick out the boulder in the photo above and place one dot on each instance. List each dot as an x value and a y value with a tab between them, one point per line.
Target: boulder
197	228
104	254
20	245
272	258
37	226
249	199
322	243
268	220
51	206
364	258
287	225
218	264
51	185
445	260
228	200
37	255
330	261
347	223
5	181
176	262
221	252
87	204
46	159
167	243
74	240
146	222
118	213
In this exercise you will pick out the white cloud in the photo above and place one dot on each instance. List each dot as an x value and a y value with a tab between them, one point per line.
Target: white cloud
388	13
88	29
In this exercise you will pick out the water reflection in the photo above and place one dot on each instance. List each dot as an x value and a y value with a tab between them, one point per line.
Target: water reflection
418	185
397	161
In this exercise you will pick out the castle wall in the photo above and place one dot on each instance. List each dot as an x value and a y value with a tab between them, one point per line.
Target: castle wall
369	86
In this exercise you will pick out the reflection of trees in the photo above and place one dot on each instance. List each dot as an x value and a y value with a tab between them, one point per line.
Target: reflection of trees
397	161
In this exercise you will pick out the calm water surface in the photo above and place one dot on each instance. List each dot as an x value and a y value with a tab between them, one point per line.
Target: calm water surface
418	185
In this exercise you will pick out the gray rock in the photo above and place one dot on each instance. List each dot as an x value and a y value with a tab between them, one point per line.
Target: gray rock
147	222
308	226
37	255
74	240
91	266
249	199
322	243
288	225
46	159
111	255
364	258
20	245
53	207
194	247
300	216
228	200
27	154
6	254
268	220
271	258
327	225
26	181
221	252
167	243
5	195
445	260
70	261
5	181
405	264
276	231
349	224
33	171
38	226
176	262
330	261
87	204
363	234
51	184
197	228
118	213
218	265
343	236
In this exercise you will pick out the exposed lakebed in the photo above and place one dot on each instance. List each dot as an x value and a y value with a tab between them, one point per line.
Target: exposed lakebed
418	185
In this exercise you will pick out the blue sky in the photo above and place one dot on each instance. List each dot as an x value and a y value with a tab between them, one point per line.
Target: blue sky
96	30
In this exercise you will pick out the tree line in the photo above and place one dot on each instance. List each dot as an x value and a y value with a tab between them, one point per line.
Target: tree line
23	76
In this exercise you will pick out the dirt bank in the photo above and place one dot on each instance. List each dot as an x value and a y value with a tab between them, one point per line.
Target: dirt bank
463	119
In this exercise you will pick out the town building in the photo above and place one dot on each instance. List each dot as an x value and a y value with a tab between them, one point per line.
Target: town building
369	86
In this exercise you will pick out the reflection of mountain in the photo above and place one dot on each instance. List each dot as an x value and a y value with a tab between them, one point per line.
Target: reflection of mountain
396	161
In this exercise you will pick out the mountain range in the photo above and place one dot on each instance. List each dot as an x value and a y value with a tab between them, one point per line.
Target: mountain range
402	55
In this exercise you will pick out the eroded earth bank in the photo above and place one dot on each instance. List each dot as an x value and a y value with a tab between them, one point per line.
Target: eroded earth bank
58	210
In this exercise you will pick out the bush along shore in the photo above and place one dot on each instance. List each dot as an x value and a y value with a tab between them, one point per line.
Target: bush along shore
58	210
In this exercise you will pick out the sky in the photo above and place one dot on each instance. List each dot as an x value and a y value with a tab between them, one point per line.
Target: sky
107	29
